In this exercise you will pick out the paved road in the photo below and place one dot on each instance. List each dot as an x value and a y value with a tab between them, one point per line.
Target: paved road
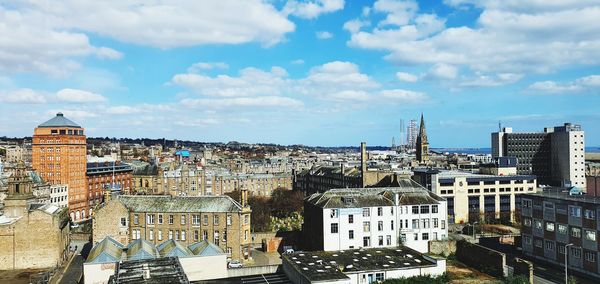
74	272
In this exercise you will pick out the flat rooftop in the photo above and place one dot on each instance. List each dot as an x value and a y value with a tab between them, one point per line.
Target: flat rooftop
332	265
161	270
562	193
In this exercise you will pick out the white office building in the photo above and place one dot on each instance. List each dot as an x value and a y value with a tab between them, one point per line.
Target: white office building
342	219
59	195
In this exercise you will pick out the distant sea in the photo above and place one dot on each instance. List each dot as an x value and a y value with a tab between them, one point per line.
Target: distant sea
483	151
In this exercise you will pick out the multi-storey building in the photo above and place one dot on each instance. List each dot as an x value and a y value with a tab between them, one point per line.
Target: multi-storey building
342	219
218	219
145	178
102	176
473	197
556	156
180	180
557	217
59	195
32	235
59	156
257	184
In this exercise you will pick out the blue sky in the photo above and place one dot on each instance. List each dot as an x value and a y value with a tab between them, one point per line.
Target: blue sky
319	72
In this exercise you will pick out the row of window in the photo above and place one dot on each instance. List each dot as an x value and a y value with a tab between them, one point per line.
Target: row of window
181	235
575	252
151	218
575	232
416	224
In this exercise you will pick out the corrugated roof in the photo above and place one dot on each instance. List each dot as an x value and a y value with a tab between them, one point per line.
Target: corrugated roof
59	121
173	248
165	204
141	249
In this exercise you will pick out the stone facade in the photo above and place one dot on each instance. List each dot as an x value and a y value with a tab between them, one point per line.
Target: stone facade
257	184
218	219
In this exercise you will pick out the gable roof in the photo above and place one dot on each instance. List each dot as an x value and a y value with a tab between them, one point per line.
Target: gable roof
205	248
165	204
141	249
173	248
106	251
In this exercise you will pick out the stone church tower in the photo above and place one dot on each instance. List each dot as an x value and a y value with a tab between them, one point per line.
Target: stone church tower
422	144
19	192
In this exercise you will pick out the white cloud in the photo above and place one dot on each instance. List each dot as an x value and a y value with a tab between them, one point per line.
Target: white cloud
23	96
78	96
312	9
442	71
324	35
482	80
508	37
108	53
349	95
406	77
297	62
258	102
404	96
355	25
199	66
584	84
339	74
123	109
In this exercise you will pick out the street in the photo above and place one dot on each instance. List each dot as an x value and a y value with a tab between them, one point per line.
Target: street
74	273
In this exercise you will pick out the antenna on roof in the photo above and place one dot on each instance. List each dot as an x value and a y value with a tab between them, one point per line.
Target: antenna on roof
499	126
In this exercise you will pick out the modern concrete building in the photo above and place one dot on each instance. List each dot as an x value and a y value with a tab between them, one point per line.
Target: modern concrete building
556	156
557	217
356	266
219	219
342	219
474	197
59	156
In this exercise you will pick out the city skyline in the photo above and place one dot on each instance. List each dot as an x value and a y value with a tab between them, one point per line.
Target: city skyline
328	73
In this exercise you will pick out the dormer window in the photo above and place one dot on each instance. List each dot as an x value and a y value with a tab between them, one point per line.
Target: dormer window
348	200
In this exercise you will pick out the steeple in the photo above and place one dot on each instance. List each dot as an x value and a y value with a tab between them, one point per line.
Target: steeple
422	143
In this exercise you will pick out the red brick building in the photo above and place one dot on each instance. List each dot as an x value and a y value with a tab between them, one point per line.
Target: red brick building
100	178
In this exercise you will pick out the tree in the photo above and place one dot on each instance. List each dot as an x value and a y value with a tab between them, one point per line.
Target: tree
285	202
261	213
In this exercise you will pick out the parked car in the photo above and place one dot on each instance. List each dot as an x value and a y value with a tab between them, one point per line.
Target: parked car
234	264
290	250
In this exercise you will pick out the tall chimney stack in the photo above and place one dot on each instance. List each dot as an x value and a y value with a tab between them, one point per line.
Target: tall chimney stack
363	162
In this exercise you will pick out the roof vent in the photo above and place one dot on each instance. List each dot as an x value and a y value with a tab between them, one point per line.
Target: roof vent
59	114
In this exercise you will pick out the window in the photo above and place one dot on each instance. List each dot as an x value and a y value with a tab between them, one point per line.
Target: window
205	220
351	234
589	214
380	239
590	235
415	209
388	240
392	210
415	223
366	212
425	236
334	228
216	237
424	209
425	223
151	234
195	219
160	235
205	235
416	236
170	234
333	213
380	226
183	235
379	277
549	245
246	219
575	252
160	219
366	241
350	219
435	222
392	225
150	218
216	220
136	219
228	220
561	248
443	222
526	203
171	219
366	227
527	240
549	226
527	222
538	243
537	224
176	235
196	235
123	221
434	209
590	256
576	232
575	211
379	211
562	229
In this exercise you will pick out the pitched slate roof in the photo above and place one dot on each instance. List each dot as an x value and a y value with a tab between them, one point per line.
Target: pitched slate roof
205	248
59	121
165	204
141	249
173	248
106	251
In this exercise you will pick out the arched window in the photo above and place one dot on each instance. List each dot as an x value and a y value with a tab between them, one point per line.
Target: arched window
77	215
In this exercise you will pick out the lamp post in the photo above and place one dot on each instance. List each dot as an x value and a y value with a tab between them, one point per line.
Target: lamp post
474	223
566	267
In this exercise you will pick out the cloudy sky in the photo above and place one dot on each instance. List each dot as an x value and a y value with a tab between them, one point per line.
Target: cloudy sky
316	72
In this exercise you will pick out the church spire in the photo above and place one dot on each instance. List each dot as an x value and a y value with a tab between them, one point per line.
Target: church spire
422	143
422	132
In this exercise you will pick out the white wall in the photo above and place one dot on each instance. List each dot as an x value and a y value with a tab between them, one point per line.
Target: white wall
204	267
97	273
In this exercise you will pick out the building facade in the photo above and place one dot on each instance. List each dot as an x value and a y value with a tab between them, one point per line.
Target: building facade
342	219
59	156
555	218
556	156
32	235
180	179
103	175
59	195
257	184
218	219
475	197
